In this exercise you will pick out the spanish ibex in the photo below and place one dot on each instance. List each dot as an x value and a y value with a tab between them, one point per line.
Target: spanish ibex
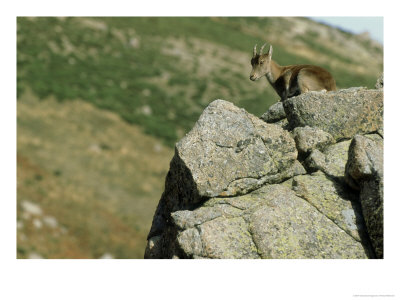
290	81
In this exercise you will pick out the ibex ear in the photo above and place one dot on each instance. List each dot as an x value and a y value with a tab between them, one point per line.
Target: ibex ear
270	52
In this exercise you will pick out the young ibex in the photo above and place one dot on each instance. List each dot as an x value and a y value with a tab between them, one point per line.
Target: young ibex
290	81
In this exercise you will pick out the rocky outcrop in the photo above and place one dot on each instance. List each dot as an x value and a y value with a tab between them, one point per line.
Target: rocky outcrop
244	187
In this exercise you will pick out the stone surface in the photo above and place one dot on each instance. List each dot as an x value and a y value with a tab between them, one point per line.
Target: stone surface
271	222
365	158
274	113
342	114
379	82
283	123
246	185
308	138
190	242
296	229
228	145
364	170
332	161
332	199
227	238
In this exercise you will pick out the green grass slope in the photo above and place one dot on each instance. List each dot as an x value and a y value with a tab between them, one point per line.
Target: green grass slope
98	178
160	73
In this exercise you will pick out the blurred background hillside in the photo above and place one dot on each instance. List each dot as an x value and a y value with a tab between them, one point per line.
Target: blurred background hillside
102	101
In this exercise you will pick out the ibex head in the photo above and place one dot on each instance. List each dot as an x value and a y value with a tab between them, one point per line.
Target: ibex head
260	63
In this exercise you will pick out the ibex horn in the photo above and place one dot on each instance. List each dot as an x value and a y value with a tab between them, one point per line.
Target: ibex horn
255	50
262	48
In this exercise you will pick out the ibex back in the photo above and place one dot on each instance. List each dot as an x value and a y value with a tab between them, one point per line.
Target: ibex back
290	81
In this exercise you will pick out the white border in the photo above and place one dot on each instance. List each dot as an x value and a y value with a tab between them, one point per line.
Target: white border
139	279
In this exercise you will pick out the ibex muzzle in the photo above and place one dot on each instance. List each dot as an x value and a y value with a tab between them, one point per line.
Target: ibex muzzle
290	81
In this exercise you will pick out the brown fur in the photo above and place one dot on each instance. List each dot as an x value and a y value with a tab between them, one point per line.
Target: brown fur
293	80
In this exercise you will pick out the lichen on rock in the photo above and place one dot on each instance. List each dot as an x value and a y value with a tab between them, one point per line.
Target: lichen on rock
332	199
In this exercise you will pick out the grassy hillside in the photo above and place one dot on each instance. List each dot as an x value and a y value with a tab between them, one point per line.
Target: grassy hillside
160	73
101	102
96	178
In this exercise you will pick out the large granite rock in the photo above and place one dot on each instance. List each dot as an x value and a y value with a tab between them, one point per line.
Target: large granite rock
230	151
342	114
237	187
